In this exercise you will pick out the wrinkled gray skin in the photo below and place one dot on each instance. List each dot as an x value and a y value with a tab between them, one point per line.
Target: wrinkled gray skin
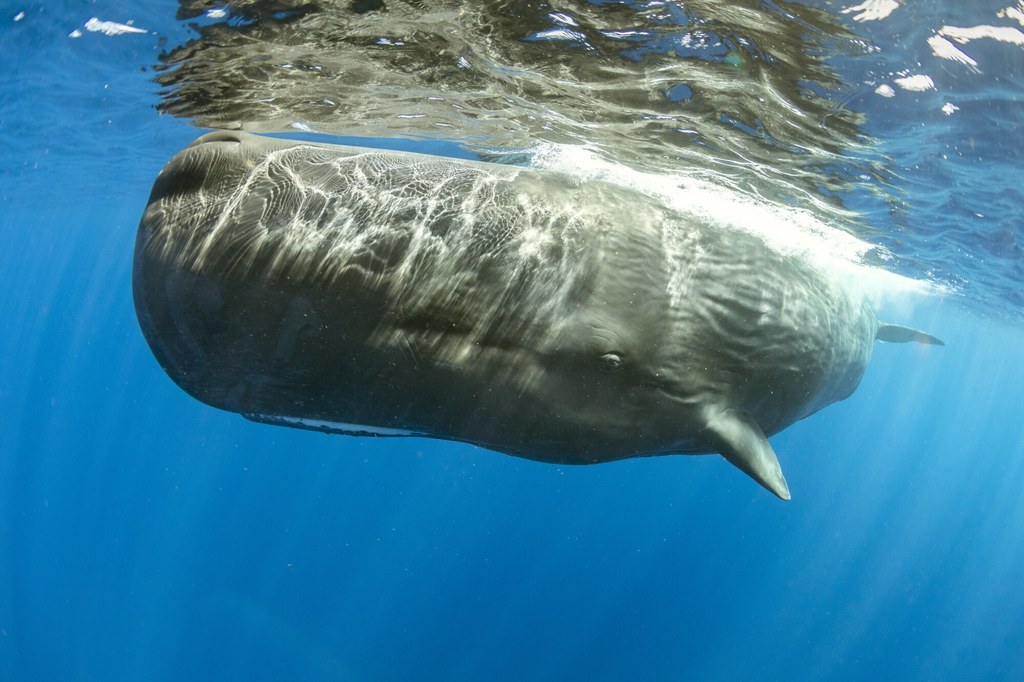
356	290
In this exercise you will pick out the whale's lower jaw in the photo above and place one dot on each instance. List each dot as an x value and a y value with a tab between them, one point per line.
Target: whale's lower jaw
324	426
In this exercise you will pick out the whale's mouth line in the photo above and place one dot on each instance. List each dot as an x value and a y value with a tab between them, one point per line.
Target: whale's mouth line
327	426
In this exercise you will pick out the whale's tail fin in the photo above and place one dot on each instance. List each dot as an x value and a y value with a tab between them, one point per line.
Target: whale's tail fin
893	333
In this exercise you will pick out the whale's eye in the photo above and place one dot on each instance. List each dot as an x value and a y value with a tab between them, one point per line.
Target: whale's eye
611	362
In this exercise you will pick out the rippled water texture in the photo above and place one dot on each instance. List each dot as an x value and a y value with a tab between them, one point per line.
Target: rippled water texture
653	85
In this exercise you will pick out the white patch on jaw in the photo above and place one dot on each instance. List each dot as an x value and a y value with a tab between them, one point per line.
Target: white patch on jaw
325	426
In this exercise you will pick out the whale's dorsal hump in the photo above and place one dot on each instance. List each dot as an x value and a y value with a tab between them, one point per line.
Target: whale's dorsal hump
740	440
894	333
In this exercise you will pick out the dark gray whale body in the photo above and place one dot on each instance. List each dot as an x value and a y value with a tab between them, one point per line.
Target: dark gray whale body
365	291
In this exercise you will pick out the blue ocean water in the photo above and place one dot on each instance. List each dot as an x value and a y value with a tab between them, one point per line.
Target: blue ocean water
145	536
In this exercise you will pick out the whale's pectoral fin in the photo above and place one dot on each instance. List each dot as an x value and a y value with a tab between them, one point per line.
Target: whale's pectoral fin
893	333
741	441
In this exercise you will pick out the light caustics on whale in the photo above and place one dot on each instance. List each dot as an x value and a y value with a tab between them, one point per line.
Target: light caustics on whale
789	230
533	312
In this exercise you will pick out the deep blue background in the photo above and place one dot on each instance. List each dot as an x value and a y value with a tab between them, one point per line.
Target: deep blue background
144	536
